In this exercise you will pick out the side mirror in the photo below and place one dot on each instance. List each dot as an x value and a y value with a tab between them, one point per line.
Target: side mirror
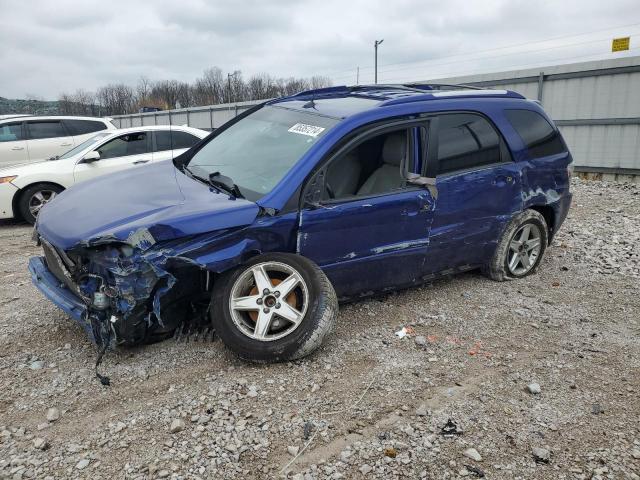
91	157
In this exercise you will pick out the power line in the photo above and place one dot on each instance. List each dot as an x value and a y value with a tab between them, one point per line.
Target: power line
496	48
431	65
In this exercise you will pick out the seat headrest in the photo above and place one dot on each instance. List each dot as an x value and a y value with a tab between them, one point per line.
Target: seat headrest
394	149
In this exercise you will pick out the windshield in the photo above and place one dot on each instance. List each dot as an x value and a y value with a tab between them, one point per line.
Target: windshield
83	145
260	149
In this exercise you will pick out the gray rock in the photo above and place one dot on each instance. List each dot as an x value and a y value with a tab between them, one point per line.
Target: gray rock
636	453
40	443
365	469
473	454
53	414
421	341
82	464
534	388
177	425
422	411
37	365
541	455
293	451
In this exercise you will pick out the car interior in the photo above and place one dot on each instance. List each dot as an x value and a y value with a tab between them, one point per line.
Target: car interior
370	168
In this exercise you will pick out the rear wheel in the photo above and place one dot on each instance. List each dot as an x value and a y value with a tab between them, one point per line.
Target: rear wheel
521	247
34	198
277	307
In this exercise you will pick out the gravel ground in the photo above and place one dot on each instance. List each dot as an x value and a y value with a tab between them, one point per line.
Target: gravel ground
537	378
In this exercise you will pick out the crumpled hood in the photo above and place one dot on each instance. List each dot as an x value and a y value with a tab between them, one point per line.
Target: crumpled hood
140	206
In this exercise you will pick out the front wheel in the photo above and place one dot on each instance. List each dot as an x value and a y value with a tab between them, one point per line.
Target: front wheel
34	198
521	247
277	307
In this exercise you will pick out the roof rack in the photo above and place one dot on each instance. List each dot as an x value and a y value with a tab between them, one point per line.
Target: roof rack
444	86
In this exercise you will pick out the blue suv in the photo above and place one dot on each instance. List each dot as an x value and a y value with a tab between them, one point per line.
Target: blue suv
336	193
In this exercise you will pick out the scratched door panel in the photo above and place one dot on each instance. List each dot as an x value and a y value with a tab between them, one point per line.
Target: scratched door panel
369	244
473	208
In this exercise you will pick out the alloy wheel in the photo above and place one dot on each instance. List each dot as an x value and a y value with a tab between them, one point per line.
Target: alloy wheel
524	249
39	200
268	301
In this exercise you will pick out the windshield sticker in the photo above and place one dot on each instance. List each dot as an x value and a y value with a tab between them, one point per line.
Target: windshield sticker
304	129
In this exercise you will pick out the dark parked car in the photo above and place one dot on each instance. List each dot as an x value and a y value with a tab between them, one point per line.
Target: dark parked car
330	194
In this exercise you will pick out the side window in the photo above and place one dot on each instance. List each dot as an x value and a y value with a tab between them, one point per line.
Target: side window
82	127
370	168
166	139
536	132
466	141
46	129
125	145
10	132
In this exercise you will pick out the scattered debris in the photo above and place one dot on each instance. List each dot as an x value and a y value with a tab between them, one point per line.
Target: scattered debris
421	341
478	472
450	429
597	409
404	331
40	443
422	411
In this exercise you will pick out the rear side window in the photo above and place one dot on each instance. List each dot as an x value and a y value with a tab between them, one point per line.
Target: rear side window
466	141
82	127
165	140
46	129
125	145
540	138
10	132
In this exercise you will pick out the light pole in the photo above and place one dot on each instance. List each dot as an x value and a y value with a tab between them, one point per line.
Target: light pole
375	46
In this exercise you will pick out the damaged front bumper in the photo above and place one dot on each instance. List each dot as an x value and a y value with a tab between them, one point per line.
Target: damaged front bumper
60	295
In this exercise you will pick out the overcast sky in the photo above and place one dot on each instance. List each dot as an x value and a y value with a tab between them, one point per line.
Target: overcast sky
53	46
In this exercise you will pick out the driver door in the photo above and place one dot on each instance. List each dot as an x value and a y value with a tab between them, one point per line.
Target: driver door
373	234
126	151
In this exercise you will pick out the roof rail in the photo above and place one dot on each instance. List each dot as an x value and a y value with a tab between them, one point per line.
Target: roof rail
443	86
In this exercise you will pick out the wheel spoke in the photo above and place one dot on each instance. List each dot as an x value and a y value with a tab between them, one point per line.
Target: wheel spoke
524	258
287	285
526	231
513	263
38	196
288	312
514	246
246	303
261	278
533	243
263	324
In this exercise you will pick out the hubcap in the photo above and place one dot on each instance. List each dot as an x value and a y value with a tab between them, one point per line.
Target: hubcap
39	199
268	301
524	249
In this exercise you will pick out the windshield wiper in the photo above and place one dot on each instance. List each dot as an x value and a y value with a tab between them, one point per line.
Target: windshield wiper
222	182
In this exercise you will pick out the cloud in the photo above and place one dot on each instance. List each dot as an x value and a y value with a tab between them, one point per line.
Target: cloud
49	47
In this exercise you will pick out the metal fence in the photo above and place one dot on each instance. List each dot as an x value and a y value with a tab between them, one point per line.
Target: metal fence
595	104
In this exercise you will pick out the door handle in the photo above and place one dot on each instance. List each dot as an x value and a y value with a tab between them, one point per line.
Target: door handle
66	144
17	148
138	162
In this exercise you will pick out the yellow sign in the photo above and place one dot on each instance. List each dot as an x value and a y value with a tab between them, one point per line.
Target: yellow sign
620	44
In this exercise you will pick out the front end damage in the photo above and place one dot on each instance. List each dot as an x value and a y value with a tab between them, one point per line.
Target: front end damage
124	294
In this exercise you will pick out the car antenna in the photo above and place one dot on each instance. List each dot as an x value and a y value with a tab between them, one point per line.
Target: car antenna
311	103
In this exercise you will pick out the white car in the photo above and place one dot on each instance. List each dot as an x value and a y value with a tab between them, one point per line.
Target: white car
25	139
24	189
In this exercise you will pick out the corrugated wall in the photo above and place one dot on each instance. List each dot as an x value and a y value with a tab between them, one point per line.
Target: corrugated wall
595	104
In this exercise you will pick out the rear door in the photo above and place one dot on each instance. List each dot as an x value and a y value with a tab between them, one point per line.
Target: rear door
129	150
46	139
13	144
168	144
479	189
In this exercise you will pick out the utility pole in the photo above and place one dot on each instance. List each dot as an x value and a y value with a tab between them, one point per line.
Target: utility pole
357	75
375	46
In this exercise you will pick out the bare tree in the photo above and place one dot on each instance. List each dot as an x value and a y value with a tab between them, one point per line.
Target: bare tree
116	99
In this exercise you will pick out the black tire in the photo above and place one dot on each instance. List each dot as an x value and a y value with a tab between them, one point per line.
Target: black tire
498	268
28	194
317	323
